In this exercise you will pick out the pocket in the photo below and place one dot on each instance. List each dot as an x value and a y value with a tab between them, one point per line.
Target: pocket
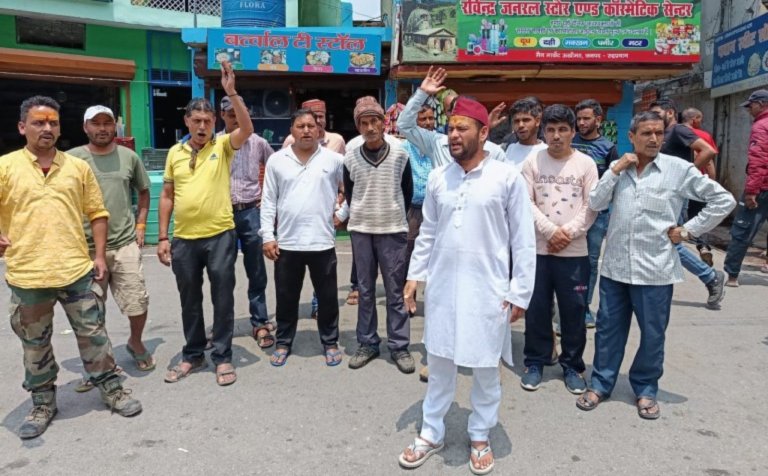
98	296
656	204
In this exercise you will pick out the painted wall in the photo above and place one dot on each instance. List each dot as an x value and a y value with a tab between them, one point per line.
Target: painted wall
115	13
109	42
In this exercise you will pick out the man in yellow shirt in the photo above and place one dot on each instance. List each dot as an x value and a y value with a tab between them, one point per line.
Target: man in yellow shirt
44	194
196	188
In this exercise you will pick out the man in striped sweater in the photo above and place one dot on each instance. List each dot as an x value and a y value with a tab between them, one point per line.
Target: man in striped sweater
378	185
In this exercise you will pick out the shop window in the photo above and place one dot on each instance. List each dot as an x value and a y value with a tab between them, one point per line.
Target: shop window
62	34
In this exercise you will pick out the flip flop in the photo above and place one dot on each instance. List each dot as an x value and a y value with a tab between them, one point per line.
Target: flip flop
176	373
332	357
419	446
479	454
642	410
145	358
222	373
281	354
586	404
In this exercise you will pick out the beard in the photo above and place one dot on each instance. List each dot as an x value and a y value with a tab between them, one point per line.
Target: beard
467	151
101	140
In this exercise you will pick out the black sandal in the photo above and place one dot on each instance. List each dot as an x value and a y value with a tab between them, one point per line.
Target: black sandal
586	404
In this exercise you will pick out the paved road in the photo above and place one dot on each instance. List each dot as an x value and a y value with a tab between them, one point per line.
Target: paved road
306	419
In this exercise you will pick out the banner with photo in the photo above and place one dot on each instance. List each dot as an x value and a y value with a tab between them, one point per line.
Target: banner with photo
303	50
552	31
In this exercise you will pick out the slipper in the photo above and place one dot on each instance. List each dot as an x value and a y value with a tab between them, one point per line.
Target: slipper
264	337
480	454
643	410
145	358
176	373
353	297
588	405
280	356
223	373
332	356
419	446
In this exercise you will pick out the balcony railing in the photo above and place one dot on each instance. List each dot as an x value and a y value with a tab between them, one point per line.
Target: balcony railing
202	7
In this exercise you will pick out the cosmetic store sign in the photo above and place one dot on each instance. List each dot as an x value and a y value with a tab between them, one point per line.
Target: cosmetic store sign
554	31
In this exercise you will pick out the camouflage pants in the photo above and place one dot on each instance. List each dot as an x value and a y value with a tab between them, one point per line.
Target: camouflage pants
32	320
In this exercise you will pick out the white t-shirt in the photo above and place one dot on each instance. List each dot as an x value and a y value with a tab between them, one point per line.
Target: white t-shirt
518	153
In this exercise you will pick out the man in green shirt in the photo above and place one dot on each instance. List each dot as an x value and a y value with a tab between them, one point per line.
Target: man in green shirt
119	170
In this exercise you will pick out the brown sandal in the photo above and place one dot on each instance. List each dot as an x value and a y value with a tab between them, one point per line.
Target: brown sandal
228	370
177	373
353	297
584	403
263	336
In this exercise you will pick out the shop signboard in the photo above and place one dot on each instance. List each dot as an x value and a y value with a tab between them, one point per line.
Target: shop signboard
553	31
741	58
304	50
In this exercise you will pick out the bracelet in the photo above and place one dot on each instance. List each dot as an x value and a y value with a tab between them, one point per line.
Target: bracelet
162	239
230	95
141	226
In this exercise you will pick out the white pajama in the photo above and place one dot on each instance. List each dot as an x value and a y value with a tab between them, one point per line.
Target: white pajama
485	398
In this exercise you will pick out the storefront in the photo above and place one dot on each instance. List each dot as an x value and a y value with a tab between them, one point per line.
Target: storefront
559	51
279	68
83	64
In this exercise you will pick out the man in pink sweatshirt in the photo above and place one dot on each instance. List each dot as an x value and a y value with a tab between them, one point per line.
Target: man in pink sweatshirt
559	181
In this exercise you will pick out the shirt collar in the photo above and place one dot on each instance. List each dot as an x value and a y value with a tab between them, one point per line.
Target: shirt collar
57	159
289	151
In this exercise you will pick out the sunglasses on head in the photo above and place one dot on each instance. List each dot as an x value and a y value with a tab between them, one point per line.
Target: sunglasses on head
193	159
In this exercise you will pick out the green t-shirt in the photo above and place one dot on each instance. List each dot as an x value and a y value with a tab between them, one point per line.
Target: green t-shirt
117	173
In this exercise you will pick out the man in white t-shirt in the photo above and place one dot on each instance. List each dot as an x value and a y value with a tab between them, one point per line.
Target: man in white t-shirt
526	118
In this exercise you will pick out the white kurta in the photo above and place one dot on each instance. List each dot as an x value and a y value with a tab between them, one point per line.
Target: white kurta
471	222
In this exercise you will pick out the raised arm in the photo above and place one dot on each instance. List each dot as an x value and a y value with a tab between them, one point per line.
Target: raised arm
245	126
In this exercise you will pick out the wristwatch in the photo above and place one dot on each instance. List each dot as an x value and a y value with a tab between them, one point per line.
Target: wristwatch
684	233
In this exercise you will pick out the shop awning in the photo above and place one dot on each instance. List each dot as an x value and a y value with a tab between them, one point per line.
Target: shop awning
65	67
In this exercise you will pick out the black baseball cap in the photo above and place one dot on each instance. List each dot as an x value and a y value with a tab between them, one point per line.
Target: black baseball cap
761	95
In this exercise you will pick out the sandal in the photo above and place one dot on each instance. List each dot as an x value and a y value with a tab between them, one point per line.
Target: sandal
177	373
228	370
587	404
332	356
643	410
353	297
478	454
419	446
263	336
279	357
144	359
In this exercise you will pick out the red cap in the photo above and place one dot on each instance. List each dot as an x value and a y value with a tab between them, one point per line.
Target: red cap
315	105
470	108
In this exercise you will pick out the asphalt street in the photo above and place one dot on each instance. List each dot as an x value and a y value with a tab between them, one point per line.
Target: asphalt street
309	419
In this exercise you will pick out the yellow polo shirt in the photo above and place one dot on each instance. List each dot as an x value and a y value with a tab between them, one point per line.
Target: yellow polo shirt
202	206
42	215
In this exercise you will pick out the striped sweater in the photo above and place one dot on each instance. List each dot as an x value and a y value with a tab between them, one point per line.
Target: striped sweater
378	194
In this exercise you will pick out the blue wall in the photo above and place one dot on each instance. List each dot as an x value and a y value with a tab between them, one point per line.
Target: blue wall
622	114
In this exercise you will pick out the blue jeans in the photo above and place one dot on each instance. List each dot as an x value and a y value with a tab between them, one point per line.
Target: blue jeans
595	237
247	225
651	305
743	231
688	259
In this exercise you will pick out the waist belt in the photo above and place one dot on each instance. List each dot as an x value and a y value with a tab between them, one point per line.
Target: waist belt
245	206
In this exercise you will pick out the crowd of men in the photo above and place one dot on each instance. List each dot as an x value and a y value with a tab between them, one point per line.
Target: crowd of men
497	234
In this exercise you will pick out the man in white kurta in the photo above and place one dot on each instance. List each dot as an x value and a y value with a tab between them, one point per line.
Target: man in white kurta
477	217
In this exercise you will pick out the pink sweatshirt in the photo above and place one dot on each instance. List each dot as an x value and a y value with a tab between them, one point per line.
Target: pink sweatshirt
559	190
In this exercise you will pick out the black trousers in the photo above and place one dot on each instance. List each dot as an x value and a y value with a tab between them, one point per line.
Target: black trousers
217	256
289	278
566	278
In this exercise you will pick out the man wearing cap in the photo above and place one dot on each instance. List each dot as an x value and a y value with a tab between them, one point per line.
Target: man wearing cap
431	143
196	188
245	191
44	194
378	186
327	139
119	171
753	208
477	218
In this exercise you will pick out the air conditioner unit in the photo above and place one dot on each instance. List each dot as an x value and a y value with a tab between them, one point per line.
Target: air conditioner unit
276	103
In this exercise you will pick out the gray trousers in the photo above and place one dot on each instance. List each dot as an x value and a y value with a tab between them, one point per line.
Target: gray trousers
388	253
